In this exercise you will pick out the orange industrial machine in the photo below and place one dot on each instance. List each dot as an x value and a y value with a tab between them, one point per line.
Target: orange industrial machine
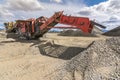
35	28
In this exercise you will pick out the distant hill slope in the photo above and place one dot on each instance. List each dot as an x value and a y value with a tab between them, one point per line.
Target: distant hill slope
75	33
113	32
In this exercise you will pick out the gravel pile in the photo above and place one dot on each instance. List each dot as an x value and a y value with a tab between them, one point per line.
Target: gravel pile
75	33
100	61
113	32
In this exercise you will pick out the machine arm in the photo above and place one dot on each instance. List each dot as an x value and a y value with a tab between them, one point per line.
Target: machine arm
97	24
82	23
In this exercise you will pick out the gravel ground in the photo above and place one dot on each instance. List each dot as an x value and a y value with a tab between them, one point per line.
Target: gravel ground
47	61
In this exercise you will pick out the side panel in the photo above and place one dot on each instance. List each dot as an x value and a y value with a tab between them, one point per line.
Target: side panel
21	26
79	22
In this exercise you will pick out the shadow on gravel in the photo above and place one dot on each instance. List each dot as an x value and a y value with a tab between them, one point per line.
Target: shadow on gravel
58	51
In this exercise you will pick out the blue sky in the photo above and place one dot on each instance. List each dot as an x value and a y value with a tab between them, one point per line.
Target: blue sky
87	2
93	2
106	12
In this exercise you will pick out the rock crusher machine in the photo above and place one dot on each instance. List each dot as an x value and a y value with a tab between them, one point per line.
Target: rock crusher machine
35	28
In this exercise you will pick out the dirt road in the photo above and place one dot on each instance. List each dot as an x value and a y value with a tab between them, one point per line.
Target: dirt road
21	60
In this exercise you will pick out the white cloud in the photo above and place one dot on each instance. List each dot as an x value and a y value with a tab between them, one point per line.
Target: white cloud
103	12
108	11
5	15
114	18
11	10
4	12
24	9
25	5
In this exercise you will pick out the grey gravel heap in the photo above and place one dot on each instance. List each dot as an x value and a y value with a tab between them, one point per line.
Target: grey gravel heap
75	33
113	32
100	61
